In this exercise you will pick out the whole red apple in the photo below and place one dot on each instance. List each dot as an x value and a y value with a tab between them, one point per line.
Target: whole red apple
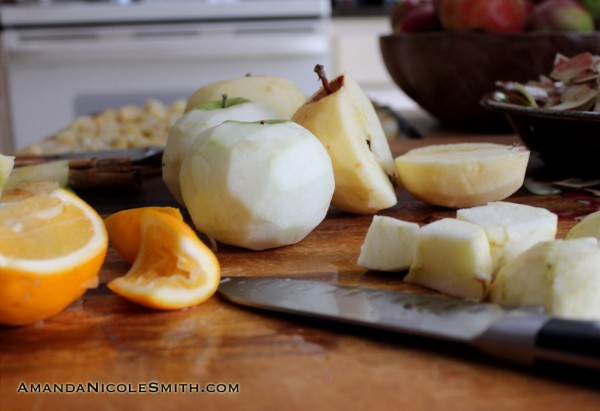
414	15
501	16
560	15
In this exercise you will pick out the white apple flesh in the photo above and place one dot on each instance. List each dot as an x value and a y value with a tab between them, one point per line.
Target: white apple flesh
588	227
463	174
563	276
185	130
389	244
6	165
278	93
344	119
511	228
257	185
453	257
57	170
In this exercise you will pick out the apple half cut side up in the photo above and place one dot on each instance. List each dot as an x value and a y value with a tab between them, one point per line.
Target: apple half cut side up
344	120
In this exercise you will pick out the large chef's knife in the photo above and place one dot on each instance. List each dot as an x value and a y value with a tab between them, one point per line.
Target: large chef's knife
523	335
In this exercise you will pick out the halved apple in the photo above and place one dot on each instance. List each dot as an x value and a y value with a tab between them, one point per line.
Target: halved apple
344	119
463	174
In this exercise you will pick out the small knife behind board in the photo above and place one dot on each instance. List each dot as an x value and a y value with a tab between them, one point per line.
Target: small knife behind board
521	335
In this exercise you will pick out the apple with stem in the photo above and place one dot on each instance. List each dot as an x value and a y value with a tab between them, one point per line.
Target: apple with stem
184	131
342	116
257	185
279	93
501	16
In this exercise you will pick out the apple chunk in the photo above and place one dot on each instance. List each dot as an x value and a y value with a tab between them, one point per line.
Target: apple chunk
463	174
6	165
511	228
453	257
389	244
563	276
588	227
57	170
344	119
257	185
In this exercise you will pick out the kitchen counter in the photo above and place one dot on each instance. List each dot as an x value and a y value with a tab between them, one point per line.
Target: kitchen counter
262	361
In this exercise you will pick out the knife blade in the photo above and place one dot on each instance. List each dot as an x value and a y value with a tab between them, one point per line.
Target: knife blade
522	335
136	155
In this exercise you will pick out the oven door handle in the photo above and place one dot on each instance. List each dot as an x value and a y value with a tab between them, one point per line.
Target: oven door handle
191	48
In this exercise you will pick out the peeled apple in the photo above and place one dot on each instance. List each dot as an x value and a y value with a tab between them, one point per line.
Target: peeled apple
278	93
257	185
185	130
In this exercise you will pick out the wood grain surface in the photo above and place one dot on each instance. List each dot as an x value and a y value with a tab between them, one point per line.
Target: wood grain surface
270	362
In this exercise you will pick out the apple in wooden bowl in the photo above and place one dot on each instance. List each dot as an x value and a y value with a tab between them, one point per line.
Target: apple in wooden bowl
447	73
446	54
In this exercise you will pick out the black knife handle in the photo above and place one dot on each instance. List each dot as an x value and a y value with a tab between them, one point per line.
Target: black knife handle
581	338
536	339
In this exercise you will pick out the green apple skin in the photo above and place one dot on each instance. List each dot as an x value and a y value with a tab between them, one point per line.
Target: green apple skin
453	257
185	130
257	185
560	15
563	276
347	124
511	228
593	6
588	227
389	244
6	165
278	93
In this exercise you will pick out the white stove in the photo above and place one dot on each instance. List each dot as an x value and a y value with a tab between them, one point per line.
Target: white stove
62	59
71	12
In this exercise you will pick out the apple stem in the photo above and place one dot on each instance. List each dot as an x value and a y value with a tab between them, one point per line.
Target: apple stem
320	70
223	100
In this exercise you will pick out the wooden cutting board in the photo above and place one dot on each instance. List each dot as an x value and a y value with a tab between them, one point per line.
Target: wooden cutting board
265	361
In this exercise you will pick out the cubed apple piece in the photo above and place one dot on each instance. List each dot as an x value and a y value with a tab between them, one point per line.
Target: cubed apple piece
563	276
588	227
6	165
463	174
511	228
454	257
51	171
389	244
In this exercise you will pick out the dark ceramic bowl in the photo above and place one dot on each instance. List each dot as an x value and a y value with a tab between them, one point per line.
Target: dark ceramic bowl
568	142
447	73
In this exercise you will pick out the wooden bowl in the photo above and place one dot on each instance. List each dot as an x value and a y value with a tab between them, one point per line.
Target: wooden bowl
448	73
